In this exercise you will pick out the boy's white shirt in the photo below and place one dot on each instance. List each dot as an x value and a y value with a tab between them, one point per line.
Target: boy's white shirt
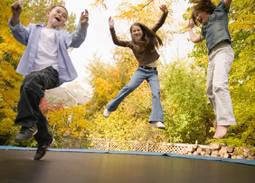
29	36
47	54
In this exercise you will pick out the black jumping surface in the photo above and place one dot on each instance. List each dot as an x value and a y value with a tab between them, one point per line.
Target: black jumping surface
67	167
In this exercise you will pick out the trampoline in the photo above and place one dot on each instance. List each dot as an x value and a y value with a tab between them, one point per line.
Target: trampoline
87	166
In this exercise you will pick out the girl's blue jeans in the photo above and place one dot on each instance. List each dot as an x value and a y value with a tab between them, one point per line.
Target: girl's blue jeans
141	74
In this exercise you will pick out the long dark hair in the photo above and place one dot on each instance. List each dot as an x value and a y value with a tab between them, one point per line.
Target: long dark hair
149	38
201	5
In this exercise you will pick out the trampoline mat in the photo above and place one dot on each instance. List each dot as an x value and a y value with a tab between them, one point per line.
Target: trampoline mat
61	167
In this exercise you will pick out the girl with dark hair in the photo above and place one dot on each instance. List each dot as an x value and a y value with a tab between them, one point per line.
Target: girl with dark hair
214	21
143	44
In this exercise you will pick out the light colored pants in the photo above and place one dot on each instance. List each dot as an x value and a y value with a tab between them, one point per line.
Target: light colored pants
151	76
220	61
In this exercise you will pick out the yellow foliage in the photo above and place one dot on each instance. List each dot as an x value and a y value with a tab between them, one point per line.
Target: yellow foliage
68	122
6	127
121	126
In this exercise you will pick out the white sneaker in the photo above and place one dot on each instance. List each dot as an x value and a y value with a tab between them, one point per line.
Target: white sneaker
106	113
158	124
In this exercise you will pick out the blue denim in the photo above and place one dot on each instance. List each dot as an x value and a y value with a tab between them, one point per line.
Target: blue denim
151	76
216	30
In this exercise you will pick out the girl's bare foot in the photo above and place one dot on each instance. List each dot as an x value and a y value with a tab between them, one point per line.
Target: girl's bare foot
220	131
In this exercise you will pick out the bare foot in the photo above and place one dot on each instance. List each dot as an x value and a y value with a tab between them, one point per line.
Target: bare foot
220	131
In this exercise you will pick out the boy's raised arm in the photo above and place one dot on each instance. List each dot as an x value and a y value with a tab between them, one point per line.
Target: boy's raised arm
84	19
19	31
79	35
16	11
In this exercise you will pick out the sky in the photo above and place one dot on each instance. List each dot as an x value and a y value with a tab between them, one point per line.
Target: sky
98	41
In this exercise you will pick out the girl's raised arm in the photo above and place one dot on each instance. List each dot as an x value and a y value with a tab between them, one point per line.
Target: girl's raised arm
227	3
193	37
162	19
114	36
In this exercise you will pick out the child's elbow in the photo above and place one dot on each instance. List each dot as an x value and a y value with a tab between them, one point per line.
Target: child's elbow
196	39
21	40
77	44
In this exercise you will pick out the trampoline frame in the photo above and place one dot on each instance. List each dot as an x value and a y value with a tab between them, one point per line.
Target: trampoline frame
197	157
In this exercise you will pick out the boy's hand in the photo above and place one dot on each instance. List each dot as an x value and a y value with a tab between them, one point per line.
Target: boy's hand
17	8
16	11
163	8
111	22
84	19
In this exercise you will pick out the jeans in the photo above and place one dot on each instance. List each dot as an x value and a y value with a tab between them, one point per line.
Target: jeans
151	76
220	61
31	93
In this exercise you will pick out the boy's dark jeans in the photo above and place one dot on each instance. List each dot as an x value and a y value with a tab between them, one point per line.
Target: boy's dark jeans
31	93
